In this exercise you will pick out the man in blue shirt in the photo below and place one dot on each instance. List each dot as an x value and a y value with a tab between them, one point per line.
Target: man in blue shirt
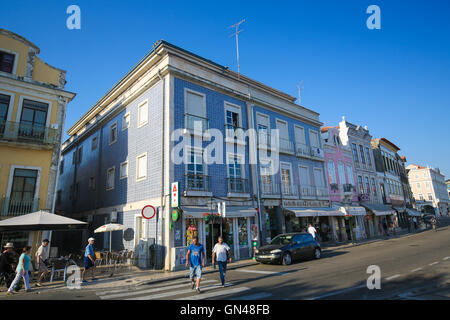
195	259
89	259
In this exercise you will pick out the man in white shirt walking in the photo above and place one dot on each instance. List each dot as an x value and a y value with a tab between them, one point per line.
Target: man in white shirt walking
312	231
221	253
41	256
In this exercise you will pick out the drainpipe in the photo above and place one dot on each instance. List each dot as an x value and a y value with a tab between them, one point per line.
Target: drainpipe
162	166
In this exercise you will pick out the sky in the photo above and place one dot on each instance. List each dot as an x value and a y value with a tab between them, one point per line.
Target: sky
395	80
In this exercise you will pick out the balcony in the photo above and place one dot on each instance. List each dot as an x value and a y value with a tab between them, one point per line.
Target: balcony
322	193
288	191
317	153
307	192
286	146
302	150
197	183
11	208
237	187
269	190
27	133
195	124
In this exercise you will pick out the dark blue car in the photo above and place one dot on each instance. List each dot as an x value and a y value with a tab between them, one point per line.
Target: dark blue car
288	247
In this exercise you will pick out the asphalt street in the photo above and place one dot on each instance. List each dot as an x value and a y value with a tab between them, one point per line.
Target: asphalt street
412	267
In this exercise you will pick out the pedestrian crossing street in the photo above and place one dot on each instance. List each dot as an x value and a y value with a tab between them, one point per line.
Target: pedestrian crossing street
181	290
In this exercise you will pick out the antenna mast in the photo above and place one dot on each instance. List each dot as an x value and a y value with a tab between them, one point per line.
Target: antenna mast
299	87
236	34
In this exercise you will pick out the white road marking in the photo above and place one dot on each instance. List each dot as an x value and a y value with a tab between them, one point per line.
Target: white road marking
417	269
175	293
446	258
339	292
434	263
393	277
214	294
129	288
255	296
145	291
258	271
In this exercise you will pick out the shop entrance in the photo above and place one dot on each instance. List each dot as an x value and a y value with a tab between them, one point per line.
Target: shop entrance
212	232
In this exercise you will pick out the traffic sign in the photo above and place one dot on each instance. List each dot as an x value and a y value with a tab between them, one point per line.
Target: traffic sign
148	212
174	195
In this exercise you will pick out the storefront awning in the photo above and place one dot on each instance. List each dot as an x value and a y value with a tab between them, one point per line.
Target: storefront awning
230	212
399	209
316	212
353	210
379	209
414	213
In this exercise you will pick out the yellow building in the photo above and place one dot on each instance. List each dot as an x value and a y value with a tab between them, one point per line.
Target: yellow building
33	106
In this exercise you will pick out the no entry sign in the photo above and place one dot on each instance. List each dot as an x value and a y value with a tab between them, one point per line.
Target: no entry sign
148	212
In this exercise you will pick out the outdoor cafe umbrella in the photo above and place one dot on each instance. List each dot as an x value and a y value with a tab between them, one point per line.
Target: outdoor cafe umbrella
110	227
40	220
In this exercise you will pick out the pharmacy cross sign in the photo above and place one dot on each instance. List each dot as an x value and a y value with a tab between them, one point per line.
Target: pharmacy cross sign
174	195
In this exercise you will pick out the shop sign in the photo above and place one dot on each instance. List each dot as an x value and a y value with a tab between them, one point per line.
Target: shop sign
174	195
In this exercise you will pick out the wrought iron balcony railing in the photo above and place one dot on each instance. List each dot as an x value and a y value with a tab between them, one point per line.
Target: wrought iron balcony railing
11	207
197	182
307	192
269	188
25	132
237	185
302	150
286	146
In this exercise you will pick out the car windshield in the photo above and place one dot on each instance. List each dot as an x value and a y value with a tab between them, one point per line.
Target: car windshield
281	239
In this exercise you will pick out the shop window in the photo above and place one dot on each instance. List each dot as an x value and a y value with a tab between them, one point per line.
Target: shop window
243	232
192	226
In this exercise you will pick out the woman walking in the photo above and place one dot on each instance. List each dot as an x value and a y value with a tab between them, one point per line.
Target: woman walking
22	270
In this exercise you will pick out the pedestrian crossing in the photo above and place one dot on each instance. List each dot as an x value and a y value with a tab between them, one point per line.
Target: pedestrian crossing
181	290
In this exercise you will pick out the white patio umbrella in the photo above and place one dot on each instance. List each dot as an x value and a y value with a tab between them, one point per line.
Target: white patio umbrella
110	227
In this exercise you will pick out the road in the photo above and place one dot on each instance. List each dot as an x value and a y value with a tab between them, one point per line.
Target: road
412	267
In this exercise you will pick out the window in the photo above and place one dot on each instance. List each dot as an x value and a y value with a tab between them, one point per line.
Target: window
24	184
331	172
94	143
61	167
4	105
421	197
110	178
235	174
243	232
126	121
124	170
319	181
299	135
58	197
428	185
266	177
369	160
314	139
361	151
418	185
361	186
367	185
33	119
305	179
141	167
91	185
430	197
6	62
142	113
80	154
341	172
195	104
113	133
286	179
351	178
374	187
355	152
232	119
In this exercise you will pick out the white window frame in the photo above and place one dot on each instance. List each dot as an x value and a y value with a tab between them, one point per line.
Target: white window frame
241	163
324	181
300	166
16	59
291	175
11	178
114	124
49	110
318	137
296	126
120	171
196	150
139	124
113	169
123	121
186	91
12	96
278	120
137	167
228	106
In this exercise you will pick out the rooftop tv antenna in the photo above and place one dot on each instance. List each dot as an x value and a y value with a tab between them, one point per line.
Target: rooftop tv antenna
236	34
299	87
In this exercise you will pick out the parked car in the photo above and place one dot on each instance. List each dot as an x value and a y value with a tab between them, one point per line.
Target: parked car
288	247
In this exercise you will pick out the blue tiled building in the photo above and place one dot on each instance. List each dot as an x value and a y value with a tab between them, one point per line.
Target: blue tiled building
121	156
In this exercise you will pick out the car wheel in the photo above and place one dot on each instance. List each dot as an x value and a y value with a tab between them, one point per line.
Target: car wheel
317	253
286	259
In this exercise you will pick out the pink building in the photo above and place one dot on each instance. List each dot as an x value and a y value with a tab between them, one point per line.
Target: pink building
342	185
